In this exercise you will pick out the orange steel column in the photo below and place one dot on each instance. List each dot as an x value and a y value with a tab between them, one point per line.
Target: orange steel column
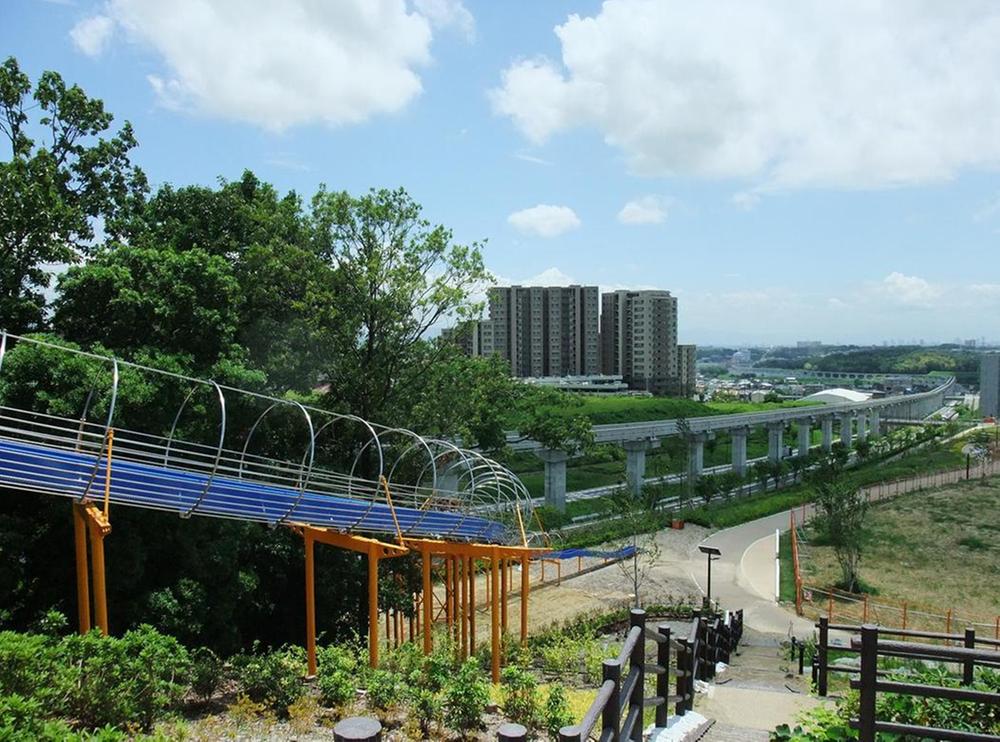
428	601
310	603
495	616
463	608
472	605
504	589
373	606
448	608
456	631
525	589
97	570
82	583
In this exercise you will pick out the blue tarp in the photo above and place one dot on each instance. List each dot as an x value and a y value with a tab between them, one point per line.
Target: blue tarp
623	553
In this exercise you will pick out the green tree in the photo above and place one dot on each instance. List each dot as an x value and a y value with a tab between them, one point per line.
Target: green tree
399	276
636	513
56	187
841	520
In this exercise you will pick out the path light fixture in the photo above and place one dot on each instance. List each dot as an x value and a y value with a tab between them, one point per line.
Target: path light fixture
713	554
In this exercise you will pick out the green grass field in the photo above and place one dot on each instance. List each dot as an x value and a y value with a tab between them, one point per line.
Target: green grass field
603	410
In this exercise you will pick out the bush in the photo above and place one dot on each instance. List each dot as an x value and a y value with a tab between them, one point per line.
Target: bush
466	696
22	720
337	671
128	681
27	665
557	713
384	689
519	691
426	707
206	672
272	678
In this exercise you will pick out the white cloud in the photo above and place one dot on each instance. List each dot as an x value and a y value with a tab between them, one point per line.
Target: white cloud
909	290
91	35
645	210
854	94
284	64
544	220
450	14
531	158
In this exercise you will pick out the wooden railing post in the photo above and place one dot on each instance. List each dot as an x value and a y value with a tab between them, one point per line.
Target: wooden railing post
663	679
821	653
683	674
637	663
611	717
868	678
968	666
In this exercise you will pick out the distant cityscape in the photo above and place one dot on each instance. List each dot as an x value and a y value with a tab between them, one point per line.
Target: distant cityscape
574	336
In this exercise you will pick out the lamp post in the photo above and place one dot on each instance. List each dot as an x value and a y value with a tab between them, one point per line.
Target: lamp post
713	554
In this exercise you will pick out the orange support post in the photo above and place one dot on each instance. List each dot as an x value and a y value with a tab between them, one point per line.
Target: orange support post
525	589
472	605
373	606
495	616
310	604
425	556
449	609
463	610
99	528
504	589
82	582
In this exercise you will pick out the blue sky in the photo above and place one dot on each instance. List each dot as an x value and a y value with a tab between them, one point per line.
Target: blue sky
788	170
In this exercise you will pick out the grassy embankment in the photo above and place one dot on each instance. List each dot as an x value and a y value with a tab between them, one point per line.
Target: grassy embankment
937	549
606	465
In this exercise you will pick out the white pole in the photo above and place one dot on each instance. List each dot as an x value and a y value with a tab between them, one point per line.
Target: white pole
777	565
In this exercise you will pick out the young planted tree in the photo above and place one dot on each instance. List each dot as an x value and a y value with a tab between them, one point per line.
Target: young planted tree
841	520
637	513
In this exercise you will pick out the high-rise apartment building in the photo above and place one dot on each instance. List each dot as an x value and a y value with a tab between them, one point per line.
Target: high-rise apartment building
639	340
544	331
686	374
989	385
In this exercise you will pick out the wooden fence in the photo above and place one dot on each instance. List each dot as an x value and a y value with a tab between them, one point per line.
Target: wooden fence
620	701
871	647
967	640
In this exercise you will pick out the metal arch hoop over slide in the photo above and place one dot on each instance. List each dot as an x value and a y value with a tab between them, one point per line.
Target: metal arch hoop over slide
375	489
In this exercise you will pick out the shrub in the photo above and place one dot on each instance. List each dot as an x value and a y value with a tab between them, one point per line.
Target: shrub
557	713
22	720
466	695
337	671
519	691
272	678
128	681
206	672
426	707
384	689
27	665
302	714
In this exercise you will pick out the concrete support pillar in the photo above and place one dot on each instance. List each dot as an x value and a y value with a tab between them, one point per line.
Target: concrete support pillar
775	441
555	477
805	436
875	424
862	425
696	455
826	425
635	462
846	429
739	453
